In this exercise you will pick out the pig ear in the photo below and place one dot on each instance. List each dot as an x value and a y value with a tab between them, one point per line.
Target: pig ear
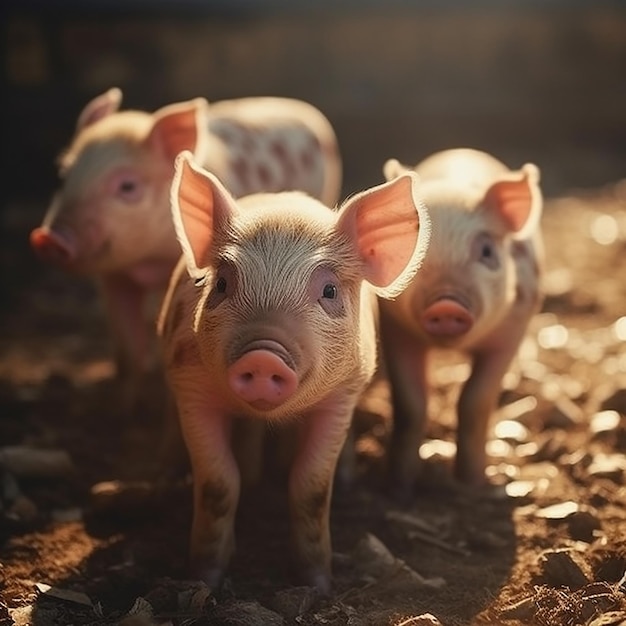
200	206
393	168
178	127
390	228
516	200
101	106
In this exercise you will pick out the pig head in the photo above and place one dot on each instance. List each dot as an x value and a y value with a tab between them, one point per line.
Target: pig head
269	317
476	291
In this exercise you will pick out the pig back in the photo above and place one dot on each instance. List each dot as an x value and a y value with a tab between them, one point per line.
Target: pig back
273	144
463	166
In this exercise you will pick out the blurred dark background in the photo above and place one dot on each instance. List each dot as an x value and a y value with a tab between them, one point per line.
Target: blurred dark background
541	81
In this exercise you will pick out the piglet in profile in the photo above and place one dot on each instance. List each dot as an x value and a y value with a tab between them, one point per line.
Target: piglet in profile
476	292
269	317
111	217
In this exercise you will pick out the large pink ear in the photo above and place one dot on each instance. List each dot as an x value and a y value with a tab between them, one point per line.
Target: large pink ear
516	200
178	128
101	106
390	228
200	206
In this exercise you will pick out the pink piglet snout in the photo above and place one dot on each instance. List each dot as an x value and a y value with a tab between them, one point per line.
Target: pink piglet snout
447	318
262	379
51	246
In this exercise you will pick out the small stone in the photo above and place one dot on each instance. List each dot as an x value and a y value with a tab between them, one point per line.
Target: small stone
604	421
519	488
437	448
582	525
372	557
35	463
558	511
69	595
560	570
511	431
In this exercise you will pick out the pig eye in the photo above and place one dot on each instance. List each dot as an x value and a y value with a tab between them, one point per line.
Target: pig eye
486	251
126	185
330	291
220	285
324	289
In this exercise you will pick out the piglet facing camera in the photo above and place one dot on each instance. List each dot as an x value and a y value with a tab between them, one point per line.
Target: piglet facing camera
269	317
475	293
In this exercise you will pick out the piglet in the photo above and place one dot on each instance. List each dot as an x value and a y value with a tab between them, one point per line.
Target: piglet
111	217
269	318
476	292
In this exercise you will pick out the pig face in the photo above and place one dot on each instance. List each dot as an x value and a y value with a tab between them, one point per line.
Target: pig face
468	280
279	279
112	209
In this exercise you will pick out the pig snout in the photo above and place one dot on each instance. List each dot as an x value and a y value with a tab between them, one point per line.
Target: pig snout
52	246
447	318
262	376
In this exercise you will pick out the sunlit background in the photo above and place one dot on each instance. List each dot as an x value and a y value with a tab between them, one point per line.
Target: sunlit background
525	79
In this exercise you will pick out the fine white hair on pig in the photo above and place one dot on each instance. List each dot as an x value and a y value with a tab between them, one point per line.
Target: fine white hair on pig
476	292
269	317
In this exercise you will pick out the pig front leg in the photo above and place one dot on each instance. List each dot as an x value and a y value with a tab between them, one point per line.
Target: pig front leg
405	361
124	304
477	402
216	482
310	486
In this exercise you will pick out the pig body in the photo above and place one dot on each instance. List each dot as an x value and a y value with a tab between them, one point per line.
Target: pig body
111	218
476	292
268	318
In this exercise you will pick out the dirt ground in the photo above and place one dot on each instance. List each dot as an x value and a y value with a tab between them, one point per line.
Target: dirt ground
548	547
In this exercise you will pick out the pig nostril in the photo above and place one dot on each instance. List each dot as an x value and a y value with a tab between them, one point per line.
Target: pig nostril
277	379
247	377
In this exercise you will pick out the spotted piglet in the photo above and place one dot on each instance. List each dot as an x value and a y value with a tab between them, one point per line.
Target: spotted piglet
269	318
476	292
111	217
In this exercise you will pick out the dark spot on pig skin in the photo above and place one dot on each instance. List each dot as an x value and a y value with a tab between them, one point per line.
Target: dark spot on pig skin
264	175
279	151
307	158
214	498
185	353
242	170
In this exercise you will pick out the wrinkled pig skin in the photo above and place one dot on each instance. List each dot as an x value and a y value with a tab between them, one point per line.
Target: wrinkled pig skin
111	217
269	318
476	292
